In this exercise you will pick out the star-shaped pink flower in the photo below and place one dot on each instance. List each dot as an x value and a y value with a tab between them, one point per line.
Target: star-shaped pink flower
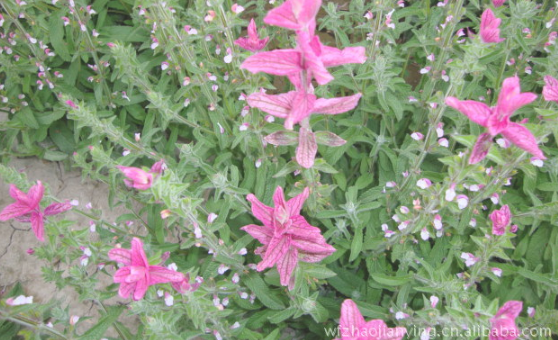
500	220
354	327
489	31
252	42
310	56
503	325
27	208
286	236
136	178
137	275
550	89
497	120
294	106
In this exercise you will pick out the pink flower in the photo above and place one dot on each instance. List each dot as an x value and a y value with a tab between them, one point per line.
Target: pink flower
285	235
550	89
252	42
500	220
137	275
353	326
470	259
294	106
310	56
298	15
498	3
27	208
497	120
489	31
136	177
185	286
503	325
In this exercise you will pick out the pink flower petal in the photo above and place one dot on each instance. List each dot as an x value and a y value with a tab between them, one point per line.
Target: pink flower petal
475	111
302	107
141	289
57	208
277	248
294	205
125	289
510	98
481	148
121	275
286	266
350	316
261	211
279	62
277	105
307	148
14	210
262	234
523	138
120	255
138	254
337	105
38	225
158	274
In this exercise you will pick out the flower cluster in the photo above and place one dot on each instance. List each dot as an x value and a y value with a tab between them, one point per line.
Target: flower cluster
309	60
27	208
286	236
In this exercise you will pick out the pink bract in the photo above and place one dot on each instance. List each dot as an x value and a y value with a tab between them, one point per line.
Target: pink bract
252	42
503	325
500	220
136	177
26	208
286	236
354	327
497	119
489	31
137	275
550	89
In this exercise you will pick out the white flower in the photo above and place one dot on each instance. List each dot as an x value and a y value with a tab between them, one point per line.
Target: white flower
469	258
424	183
169	299
20	300
424	234
434	301
497	271
438	222
462	201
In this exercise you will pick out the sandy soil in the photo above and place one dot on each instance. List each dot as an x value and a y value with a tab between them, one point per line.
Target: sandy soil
16	265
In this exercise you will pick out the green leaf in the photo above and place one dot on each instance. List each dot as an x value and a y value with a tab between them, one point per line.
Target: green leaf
96	332
56	34
283	315
262	291
391	281
356	245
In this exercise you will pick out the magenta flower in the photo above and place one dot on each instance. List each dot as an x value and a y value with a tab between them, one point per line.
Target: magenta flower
489	31
311	56
285	235
503	325
294	106
252	42
497	120
354	327
136	177
500	220
498	3
137	275
550	89
27	208
298	15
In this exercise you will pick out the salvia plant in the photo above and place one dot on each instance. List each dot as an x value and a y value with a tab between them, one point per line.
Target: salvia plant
298	169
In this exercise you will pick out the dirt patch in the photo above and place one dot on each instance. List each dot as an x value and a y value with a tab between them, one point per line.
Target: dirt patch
16	265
